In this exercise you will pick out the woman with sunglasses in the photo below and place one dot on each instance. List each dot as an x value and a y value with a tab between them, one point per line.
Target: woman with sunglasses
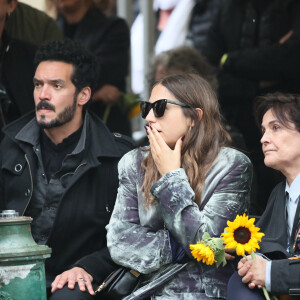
186	183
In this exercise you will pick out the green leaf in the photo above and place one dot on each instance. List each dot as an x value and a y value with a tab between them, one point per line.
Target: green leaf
219	243
205	236
220	258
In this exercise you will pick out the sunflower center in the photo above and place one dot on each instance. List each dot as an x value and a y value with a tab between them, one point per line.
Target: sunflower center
242	235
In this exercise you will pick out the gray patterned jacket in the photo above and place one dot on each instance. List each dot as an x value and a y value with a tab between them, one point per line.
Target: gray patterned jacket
136	238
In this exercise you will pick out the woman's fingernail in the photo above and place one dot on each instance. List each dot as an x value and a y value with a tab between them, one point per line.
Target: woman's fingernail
182	138
151	127
146	129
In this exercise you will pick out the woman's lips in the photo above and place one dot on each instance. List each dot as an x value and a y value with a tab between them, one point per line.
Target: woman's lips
267	151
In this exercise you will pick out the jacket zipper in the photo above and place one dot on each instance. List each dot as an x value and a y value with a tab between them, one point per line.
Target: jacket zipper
83	164
31	191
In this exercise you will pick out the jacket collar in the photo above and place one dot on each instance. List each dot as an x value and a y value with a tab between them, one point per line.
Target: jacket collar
30	133
95	135
100	139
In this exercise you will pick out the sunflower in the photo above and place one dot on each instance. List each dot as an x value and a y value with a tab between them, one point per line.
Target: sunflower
242	235
203	252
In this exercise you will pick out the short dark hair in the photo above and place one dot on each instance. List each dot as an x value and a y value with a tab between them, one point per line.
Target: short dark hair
85	67
286	107
183	60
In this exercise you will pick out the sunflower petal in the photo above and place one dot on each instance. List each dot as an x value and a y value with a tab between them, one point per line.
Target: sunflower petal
240	250
231	245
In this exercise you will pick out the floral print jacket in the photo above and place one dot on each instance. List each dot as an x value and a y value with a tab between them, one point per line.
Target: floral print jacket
136	236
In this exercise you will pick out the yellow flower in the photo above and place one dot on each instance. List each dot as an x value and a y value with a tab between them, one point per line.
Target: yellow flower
203	252
242	235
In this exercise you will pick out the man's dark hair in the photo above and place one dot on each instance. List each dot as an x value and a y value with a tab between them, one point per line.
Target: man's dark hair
286	108
85	65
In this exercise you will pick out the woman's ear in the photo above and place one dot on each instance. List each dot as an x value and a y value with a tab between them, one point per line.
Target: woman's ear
200	113
84	95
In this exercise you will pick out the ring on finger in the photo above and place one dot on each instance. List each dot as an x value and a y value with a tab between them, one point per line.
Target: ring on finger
81	279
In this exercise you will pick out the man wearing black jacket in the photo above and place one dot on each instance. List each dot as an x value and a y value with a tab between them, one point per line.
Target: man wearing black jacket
60	168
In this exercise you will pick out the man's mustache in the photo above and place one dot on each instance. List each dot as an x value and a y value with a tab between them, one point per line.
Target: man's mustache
45	105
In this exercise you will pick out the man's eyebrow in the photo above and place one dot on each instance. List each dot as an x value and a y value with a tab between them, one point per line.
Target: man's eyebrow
56	80
36	80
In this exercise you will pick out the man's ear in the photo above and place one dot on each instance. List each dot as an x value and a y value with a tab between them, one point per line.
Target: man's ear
84	96
12	6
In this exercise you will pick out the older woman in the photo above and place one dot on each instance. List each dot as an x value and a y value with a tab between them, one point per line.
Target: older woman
186	183
279	116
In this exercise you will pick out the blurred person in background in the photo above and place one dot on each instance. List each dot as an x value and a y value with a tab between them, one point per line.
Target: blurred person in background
254	45
182	60
31	25
16	70
108	38
178	23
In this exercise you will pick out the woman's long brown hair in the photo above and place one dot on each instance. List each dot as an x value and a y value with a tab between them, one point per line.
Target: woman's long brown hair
202	143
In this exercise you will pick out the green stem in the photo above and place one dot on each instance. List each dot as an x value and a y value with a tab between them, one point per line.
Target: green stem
266	293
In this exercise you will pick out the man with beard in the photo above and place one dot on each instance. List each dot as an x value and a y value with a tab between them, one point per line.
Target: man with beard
59	167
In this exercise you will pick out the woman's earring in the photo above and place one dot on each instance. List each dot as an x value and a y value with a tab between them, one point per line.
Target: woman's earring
190	128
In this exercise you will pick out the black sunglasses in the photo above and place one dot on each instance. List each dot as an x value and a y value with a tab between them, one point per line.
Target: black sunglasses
158	106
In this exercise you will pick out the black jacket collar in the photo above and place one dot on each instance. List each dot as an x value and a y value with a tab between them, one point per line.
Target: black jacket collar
100	139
